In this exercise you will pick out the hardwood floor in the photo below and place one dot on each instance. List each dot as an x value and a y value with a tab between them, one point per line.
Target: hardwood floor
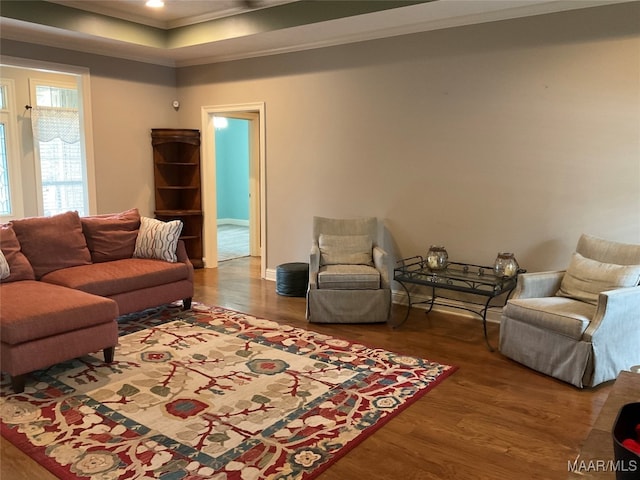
492	419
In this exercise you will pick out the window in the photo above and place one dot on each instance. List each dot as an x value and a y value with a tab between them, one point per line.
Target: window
45	117
55	118
5	189
10	179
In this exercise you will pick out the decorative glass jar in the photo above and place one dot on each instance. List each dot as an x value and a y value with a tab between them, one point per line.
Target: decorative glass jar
505	265
437	257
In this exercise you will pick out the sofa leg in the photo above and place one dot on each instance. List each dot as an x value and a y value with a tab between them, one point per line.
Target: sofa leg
108	354
17	383
186	303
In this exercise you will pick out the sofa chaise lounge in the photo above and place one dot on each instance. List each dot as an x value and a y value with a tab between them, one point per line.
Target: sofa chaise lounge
66	279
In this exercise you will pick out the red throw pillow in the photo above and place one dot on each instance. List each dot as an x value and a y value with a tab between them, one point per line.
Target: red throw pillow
52	243
112	236
19	266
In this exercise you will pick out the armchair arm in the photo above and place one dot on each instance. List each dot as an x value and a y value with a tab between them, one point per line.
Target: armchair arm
617	318
314	266
538	284
380	260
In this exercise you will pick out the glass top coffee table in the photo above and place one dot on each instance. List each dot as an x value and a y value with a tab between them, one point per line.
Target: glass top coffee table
479	282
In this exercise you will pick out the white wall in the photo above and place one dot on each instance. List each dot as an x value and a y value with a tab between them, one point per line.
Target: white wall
515	135
507	136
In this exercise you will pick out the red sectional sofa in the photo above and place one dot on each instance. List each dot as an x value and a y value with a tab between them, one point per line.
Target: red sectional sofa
67	279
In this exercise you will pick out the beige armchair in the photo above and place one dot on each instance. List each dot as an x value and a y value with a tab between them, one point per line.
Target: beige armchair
348	273
581	325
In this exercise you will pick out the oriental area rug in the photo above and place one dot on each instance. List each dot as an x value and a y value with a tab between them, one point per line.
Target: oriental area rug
211	393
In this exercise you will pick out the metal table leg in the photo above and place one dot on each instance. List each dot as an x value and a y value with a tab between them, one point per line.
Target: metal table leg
406	315
433	299
484	324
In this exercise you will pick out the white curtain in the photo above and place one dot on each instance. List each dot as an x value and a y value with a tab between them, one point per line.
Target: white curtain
50	123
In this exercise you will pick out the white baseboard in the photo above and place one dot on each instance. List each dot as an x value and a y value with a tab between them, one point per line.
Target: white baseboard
270	274
399	297
232	221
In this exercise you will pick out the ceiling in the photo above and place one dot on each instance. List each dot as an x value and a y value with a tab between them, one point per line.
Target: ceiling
175	13
191	32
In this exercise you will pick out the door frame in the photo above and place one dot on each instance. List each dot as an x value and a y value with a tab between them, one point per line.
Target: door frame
254	112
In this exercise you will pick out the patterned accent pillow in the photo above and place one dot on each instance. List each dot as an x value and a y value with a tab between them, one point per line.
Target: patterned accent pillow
4	267
158	239
586	278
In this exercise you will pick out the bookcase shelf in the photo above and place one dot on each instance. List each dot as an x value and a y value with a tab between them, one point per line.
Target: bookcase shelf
176	160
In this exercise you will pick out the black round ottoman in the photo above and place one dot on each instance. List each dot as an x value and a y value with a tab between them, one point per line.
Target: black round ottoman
292	279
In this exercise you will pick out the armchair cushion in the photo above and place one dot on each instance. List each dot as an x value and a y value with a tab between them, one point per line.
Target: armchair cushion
345	249
586	278
565	316
348	277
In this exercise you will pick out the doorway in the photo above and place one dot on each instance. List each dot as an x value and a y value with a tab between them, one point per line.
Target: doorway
232	145
249	117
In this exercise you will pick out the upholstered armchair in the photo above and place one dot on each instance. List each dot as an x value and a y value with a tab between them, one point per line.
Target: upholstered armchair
348	273
581	325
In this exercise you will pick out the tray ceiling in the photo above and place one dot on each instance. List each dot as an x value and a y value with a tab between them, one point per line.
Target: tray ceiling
191	32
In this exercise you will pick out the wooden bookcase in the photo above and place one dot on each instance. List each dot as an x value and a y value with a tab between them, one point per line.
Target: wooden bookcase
176	166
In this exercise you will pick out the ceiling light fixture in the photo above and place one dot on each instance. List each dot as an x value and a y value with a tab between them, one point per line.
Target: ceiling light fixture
154	3
220	123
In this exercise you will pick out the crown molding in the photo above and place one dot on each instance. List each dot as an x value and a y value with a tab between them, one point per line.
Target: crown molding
434	15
